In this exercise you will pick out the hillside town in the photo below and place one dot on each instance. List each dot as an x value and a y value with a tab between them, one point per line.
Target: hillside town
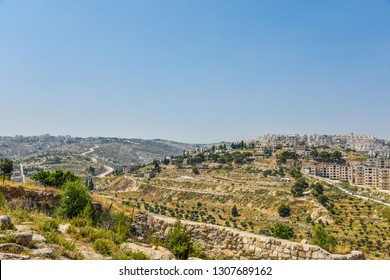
375	171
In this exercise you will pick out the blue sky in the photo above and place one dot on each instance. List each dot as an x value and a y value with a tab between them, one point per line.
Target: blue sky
194	70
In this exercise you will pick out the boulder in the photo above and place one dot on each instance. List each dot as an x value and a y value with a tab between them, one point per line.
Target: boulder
23	238
38	238
5	222
46	253
11	248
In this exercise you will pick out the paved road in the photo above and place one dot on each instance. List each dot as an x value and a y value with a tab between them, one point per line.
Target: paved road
91	150
22	174
347	191
109	169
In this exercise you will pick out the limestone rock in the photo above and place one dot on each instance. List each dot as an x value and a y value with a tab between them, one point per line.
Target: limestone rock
23	238
46	253
38	238
11	248
63	228
157	253
6	256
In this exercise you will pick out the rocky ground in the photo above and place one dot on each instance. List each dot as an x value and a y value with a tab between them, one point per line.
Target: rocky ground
22	242
19	242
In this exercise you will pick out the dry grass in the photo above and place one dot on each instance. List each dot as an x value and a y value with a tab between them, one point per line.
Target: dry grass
29	186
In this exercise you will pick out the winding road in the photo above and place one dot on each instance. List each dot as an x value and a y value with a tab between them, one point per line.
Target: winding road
109	169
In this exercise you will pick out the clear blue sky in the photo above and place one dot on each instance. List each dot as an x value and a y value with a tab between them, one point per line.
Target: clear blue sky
194	71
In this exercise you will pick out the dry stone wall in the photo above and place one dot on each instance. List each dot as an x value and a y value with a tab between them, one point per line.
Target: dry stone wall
221	241
31	199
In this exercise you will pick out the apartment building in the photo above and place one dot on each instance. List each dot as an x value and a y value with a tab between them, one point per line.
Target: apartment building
360	174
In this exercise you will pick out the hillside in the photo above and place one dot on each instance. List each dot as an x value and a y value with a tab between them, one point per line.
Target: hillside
73	153
261	204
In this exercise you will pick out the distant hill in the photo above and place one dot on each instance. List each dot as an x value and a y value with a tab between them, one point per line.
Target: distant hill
114	151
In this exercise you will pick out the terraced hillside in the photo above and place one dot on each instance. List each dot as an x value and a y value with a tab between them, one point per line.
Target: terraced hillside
210	197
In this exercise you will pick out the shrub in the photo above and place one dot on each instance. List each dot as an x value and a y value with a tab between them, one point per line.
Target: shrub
284	210
97	233
198	251
321	237
179	241
103	246
282	231
122	227
80	222
130	255
75	197
195	171
3	202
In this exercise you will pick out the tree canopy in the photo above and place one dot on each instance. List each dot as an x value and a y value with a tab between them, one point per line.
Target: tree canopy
75	199
56	179
6	167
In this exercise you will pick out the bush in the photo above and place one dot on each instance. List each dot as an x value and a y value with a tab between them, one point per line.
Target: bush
284	210
282	231
75	197
103	246
198	251
179	241
80	222
129	255
99	233
322	238
195	171
122	227
3	202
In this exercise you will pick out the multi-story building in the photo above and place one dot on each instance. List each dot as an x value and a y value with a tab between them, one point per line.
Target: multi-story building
384	178
359	174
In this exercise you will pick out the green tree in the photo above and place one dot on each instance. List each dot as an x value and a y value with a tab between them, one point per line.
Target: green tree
323	199
282	231
317	189
179	241
267	152
298	188
55	179
235	211
75	197
314	153
284	210
6	167
321	237
89	184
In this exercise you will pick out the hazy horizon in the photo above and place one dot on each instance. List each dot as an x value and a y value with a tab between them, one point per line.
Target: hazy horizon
195	71
175	140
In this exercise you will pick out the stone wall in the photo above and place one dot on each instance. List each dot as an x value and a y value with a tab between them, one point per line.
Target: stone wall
30	199
221	241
